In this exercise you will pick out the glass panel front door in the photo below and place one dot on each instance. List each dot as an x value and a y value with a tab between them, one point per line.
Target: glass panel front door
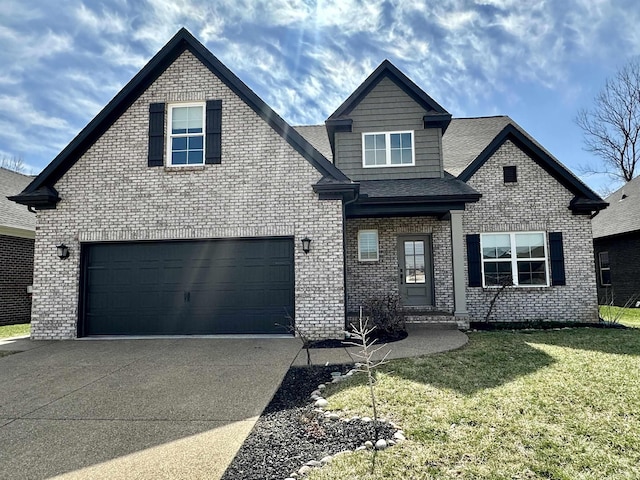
414	262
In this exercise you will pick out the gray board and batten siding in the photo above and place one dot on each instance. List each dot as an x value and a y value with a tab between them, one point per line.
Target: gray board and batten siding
387	108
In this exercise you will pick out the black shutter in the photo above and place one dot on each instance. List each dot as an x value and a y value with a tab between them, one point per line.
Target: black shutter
213	131
156	135
473	260
556	258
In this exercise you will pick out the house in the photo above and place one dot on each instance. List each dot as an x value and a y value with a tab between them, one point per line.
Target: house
188	206
17	233
616	241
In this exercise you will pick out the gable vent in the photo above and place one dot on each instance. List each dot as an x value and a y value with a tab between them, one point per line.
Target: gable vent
510	174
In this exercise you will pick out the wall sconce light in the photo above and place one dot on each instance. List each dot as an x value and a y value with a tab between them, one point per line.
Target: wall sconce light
63	251
306	245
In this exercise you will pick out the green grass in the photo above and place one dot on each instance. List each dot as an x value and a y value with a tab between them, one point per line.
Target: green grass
15	330
626	316
562	404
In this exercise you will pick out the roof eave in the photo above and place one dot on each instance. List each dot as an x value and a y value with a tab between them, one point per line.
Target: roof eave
42	198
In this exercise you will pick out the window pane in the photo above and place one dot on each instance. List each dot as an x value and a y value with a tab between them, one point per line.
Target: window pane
396	157
395	140
369	142
195	118
605	277
419	247
179	143
381	157
408	248
497	273
604	259
179	158
529	245
407	156
380	142
195	143
406	140
531	273
195	157
180	114
496	246
369	157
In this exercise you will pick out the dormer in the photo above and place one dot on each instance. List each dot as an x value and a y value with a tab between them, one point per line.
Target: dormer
389	128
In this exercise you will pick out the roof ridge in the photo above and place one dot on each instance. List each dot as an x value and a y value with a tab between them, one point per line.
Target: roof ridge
481	117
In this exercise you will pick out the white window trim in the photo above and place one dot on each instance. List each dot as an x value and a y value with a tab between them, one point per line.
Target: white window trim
170	136
360	259
601	268
514	260
388	149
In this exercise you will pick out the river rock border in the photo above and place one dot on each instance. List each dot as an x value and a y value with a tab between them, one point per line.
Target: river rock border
320	403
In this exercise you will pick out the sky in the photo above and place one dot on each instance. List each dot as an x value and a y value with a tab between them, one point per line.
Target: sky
537	61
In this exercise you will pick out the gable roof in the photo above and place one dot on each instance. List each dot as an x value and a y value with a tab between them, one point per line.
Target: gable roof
42	186
472	133
12	215
623	213
387	70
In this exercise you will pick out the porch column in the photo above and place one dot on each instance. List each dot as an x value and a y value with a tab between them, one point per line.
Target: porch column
457	250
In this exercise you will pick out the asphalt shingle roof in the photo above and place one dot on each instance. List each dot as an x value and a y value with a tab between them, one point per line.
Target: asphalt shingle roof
623	213
466	138
12	214
447	186
318	137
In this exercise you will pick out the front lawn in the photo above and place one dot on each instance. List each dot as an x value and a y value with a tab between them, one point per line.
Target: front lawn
560	404
626	316
15	330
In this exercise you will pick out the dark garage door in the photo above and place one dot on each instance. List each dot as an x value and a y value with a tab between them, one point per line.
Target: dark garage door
184	288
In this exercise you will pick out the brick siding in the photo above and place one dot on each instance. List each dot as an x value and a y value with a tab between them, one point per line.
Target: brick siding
16	274
262	188
370	279
537	202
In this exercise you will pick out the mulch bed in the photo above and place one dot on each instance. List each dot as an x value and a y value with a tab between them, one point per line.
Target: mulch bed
289	433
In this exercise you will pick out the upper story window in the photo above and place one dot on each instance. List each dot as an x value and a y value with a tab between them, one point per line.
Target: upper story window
388	149
518	259
185	144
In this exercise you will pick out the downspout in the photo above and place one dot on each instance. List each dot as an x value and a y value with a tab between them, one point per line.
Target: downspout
344	255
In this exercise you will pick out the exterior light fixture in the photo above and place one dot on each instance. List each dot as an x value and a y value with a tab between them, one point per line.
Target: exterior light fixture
306	245
63	251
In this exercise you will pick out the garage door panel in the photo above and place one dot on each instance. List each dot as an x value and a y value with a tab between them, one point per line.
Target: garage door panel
202	287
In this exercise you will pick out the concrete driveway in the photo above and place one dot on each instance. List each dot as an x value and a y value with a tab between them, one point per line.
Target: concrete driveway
151	408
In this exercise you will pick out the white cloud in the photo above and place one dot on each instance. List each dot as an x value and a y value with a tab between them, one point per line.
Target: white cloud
107	21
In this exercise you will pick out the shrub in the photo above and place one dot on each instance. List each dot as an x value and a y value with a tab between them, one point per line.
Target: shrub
386	315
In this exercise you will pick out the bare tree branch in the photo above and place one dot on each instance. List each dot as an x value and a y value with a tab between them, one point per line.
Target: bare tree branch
14	163
611	127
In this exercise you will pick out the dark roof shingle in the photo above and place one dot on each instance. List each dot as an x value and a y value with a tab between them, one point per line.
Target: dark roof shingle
623	213
11	214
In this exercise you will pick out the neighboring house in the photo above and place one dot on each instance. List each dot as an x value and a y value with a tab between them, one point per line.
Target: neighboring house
187	205
616	240
17	231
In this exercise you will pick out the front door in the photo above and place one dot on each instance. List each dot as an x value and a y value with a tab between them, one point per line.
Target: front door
414	261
